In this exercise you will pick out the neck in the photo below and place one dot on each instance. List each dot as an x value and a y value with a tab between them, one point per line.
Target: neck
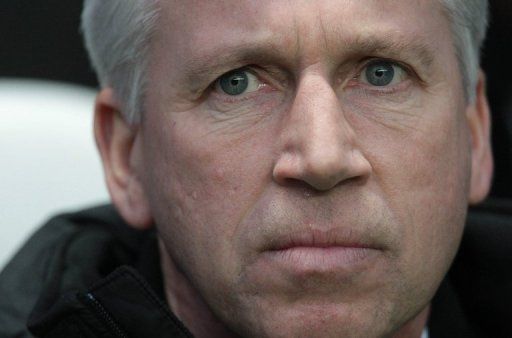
187	304
414	328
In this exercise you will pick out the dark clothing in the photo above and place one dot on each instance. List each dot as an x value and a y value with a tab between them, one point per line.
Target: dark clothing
88	274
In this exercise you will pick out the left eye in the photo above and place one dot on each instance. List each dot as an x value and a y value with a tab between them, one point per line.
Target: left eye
237	82
382	73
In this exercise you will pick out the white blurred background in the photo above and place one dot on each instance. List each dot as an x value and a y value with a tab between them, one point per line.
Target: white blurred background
48	159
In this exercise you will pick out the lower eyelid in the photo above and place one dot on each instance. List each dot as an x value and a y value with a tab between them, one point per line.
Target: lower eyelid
390	89
254	102
242	97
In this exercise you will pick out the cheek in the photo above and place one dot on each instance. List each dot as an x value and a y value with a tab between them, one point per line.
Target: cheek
423	173
201	185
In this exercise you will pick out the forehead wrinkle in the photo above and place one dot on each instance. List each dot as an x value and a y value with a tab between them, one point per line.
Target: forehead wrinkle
214	60
323	30
295	29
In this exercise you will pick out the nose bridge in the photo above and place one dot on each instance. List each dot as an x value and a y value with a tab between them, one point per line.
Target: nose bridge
323	132
319	143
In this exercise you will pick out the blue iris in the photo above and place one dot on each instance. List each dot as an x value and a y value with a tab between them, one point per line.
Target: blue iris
380	73
235	82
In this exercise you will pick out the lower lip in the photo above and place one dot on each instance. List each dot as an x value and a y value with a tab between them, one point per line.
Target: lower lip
306	260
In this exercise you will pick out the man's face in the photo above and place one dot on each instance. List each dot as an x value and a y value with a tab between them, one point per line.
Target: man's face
320	189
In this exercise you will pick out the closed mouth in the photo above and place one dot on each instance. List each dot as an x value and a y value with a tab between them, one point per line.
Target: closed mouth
315	239
336	251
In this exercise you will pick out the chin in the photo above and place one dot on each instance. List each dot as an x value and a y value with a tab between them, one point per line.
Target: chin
317	320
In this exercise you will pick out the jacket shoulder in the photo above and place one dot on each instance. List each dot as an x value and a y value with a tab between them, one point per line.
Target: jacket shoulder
482	271
487	240
40	259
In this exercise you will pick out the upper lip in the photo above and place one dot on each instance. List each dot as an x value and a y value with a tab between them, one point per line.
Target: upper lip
322	239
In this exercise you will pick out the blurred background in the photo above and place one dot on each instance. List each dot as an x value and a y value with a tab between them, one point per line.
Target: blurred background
48	161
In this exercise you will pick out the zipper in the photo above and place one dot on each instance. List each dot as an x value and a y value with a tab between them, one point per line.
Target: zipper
105	316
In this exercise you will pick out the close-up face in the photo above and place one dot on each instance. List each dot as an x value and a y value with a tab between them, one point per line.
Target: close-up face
308	164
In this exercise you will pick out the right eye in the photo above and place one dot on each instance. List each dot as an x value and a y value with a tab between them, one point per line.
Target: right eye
237	82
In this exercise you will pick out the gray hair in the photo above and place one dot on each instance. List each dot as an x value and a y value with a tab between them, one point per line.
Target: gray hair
469	19
117	36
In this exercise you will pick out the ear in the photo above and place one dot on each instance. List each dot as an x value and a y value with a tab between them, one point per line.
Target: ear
478	115
120	151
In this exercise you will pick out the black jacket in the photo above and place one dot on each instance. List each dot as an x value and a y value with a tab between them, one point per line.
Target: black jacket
88	274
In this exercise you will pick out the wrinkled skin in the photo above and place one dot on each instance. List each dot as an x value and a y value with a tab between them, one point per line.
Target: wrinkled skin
310	148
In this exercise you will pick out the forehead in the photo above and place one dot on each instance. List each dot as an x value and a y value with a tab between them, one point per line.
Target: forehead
203	24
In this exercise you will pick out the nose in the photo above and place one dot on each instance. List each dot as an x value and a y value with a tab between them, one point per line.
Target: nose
318	145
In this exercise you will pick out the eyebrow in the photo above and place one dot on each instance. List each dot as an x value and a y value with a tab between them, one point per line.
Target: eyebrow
222	58
399	48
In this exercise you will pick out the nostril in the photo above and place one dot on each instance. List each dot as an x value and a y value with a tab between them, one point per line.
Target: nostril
320	174
324	186
308	190
302	187
295	183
